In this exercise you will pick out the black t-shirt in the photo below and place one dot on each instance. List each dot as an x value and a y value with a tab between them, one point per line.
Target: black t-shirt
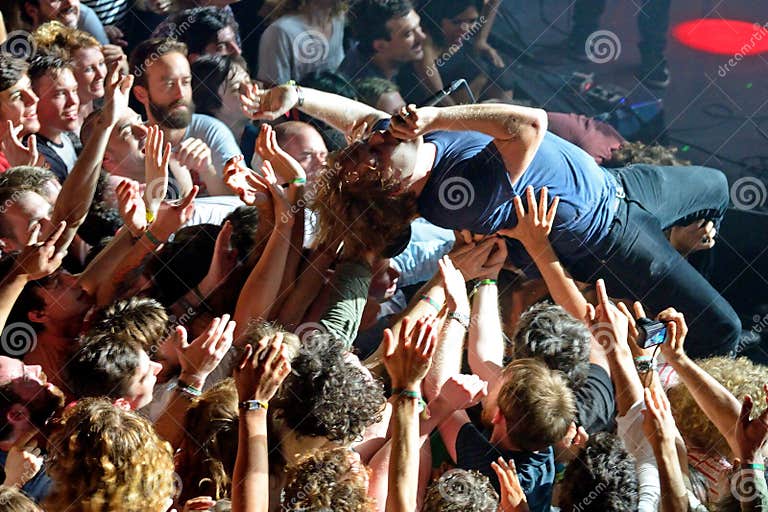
535	470
595	403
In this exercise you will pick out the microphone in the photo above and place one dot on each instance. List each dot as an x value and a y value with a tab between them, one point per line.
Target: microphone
441	95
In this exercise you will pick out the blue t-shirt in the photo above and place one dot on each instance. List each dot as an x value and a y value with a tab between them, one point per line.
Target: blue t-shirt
469	188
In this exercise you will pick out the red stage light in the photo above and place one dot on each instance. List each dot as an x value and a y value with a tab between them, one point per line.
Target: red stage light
723	37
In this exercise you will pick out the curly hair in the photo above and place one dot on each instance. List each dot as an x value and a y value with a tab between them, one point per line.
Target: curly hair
459	490
141	319
55	36
368	20
13	500
327	480
547	332
206	459
27	177
537	404
105	458
327	394
357	201
602	478
740	376
639	153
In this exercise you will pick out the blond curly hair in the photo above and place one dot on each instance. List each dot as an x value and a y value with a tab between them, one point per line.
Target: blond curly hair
739	376
104	458
56	37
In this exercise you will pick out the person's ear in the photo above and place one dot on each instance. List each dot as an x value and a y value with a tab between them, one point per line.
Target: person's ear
141	94
17	414
498	418
37	316
380	45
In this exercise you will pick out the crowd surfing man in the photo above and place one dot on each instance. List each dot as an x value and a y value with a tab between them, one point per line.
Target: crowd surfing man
461	167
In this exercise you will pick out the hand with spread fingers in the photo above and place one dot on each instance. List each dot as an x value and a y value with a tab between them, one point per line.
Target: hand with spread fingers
15	151
268	104
658	422
199	358
409	357
512	496
533	226
131	207
286	167
243	182
156	158
263	369
39	258
608	324
172	216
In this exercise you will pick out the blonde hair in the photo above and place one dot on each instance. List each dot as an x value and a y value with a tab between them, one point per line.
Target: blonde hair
53	36
104	458
739	376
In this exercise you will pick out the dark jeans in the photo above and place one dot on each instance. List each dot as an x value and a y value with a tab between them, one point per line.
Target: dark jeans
636	260
652	23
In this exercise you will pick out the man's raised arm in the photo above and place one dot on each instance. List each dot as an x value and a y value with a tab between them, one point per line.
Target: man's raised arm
344	114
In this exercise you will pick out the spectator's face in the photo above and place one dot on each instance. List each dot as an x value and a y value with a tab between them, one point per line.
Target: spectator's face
229	92
384	281
226	43
405	39
125	150
66	302
19	105
65	11
308	148
21	216
169	83
389	152
143	381
41	398
59	103
390	102
90	71
457	27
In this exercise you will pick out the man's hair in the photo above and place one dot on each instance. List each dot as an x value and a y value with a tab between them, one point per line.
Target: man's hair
14	500
209	72
327	480
30	299
639	153
547	332
602	478
45	63
357	201
103	365
368	20
149	51
54	36
286	7
433	13
286	131
8	398
27	177
249	233
207	454
370	89
141	319
458	490
198	27
105	458
537	404
11	70
327	394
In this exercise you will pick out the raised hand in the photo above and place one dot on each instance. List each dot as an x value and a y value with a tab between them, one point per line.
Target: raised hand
242	181
270	103
195	155
285	166
608	324
131	207
199	358
39	259
172	216
658	422
463	391
408	358
223	262
455	286
156	158
673	346
751	434
533	227
263	369
411	122
15	151
117	93
23	461
280	202
512	495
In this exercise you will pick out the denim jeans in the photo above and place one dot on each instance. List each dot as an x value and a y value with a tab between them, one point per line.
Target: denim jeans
637	261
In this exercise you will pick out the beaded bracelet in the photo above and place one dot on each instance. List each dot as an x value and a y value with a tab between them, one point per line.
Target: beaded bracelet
429	300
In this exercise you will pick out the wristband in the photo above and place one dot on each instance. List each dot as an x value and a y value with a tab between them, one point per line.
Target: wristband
645	364
462	318
421	405
198	293
298	181
188	390
481	283
429	300
152	237
300	100
756	467
150	217
252	405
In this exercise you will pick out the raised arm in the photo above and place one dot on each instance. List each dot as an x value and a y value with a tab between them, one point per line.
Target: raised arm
517	131
342	113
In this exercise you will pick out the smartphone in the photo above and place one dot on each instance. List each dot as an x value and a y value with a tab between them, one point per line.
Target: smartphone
652	332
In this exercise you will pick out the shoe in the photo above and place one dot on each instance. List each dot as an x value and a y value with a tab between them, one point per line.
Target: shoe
747	340
654	74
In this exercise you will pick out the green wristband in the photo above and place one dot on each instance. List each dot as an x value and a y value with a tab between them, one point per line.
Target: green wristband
152	237
756	467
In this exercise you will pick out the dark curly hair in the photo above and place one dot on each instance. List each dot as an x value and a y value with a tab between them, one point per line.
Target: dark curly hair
547	332
459	490
327	480
327	394
368	20
638	153
602	478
